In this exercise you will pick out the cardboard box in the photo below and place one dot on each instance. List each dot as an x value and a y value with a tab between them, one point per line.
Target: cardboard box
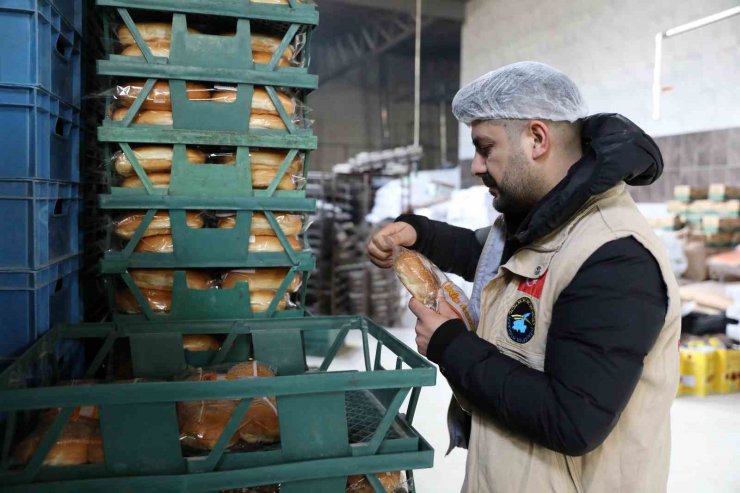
721	192
687	193
717	224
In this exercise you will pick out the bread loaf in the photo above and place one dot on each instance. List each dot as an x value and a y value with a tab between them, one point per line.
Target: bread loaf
262	279
163	279
159	301
416	274
290	224
127	225
159	97
154	159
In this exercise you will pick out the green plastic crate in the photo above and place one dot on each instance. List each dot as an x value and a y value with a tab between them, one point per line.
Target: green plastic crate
197	182
220	58
211	304
211	115
332	423
206	248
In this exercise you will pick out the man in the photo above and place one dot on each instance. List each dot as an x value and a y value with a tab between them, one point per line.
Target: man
570	375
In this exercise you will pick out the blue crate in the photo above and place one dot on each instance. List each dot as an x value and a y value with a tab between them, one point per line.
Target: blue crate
71	10
43	219
38	48
33	302
40	136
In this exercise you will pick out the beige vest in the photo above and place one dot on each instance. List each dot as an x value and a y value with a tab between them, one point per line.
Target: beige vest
635	456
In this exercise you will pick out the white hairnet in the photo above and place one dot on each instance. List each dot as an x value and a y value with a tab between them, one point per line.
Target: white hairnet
520	91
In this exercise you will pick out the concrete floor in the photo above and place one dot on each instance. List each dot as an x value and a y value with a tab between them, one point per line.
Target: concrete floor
706	434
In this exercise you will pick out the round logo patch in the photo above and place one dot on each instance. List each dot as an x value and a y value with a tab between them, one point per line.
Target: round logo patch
520	322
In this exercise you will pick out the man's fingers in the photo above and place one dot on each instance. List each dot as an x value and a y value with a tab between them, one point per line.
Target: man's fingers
446	310
419	309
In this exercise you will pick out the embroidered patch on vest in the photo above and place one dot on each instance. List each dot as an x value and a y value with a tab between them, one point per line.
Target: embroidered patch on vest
520	322
533	287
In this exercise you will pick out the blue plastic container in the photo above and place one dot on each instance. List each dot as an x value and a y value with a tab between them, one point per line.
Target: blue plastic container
42	221
39	48
33	302
40	136
71	10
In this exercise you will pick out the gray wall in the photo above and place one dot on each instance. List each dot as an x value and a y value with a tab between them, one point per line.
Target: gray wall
607	47
347	111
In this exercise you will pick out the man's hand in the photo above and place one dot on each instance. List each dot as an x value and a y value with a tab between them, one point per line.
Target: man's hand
429	321
380	248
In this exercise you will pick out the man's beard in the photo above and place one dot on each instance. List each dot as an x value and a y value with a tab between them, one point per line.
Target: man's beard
515	195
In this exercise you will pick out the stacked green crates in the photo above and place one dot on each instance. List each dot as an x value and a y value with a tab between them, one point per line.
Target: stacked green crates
219	59
333	422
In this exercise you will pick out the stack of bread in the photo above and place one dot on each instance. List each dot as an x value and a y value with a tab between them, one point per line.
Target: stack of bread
156	161
202	422
80	441
157	108
156	285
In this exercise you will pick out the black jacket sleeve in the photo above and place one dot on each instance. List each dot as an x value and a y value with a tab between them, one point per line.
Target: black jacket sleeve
603	325
451	248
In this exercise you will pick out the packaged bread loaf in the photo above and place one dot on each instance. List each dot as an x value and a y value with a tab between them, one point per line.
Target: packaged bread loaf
360	484
203	422
154	159
158	36
158	180
262	279
157	117
145	117
80	442
159	301
127	225
427	284
261	102
159	97
198	343
290	224
163	279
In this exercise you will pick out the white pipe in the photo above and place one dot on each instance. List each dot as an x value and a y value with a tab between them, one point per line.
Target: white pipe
657	83
690	26
683	28
417	77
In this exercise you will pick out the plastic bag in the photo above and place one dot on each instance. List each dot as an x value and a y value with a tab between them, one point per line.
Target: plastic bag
163	279
427	283
159	97
126	226
203	422
156	244
198	343
80	442
158	35
271	244
262	279
260	300
290	224
154	159
159	301
392	482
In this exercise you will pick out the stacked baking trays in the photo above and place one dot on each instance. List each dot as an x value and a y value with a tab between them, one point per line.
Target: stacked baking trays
208	147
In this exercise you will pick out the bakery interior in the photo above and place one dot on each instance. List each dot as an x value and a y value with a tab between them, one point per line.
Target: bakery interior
143	347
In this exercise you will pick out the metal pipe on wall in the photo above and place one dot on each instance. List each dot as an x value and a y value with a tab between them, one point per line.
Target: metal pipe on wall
675	31
417	77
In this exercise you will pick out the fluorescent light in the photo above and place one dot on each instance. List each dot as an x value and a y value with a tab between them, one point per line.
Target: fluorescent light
702	22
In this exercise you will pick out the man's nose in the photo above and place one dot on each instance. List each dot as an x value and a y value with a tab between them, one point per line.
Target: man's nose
478	166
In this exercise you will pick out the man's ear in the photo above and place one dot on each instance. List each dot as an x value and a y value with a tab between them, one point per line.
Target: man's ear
541	138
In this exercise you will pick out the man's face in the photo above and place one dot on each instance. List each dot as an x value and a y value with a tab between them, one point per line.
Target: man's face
504	168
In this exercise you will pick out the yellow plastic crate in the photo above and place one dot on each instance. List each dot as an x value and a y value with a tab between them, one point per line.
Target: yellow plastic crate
727	369
699	369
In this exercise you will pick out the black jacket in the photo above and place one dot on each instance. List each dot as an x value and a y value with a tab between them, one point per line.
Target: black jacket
603	324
